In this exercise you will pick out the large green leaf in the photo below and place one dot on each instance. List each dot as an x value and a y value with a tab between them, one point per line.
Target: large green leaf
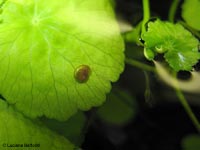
58	56
190	13
17	132
179	46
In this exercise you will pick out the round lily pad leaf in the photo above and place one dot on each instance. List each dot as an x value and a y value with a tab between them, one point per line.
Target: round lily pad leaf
58	57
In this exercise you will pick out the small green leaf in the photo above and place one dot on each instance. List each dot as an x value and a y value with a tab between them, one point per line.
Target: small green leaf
191	142
42	45
119	108
179	46
16	129
190	13
182	60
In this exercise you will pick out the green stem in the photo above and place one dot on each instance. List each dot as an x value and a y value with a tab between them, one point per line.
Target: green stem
147	93
172	11
140	65
134	35
188	109
146	14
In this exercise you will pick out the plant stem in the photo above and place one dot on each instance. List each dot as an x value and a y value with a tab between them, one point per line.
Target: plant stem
146	14
172	11
188	109
140	65
147	93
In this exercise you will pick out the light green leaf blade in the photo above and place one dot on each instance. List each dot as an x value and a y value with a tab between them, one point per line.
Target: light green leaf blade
190	13
42	43
119	108
16	129
179	46
191	142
